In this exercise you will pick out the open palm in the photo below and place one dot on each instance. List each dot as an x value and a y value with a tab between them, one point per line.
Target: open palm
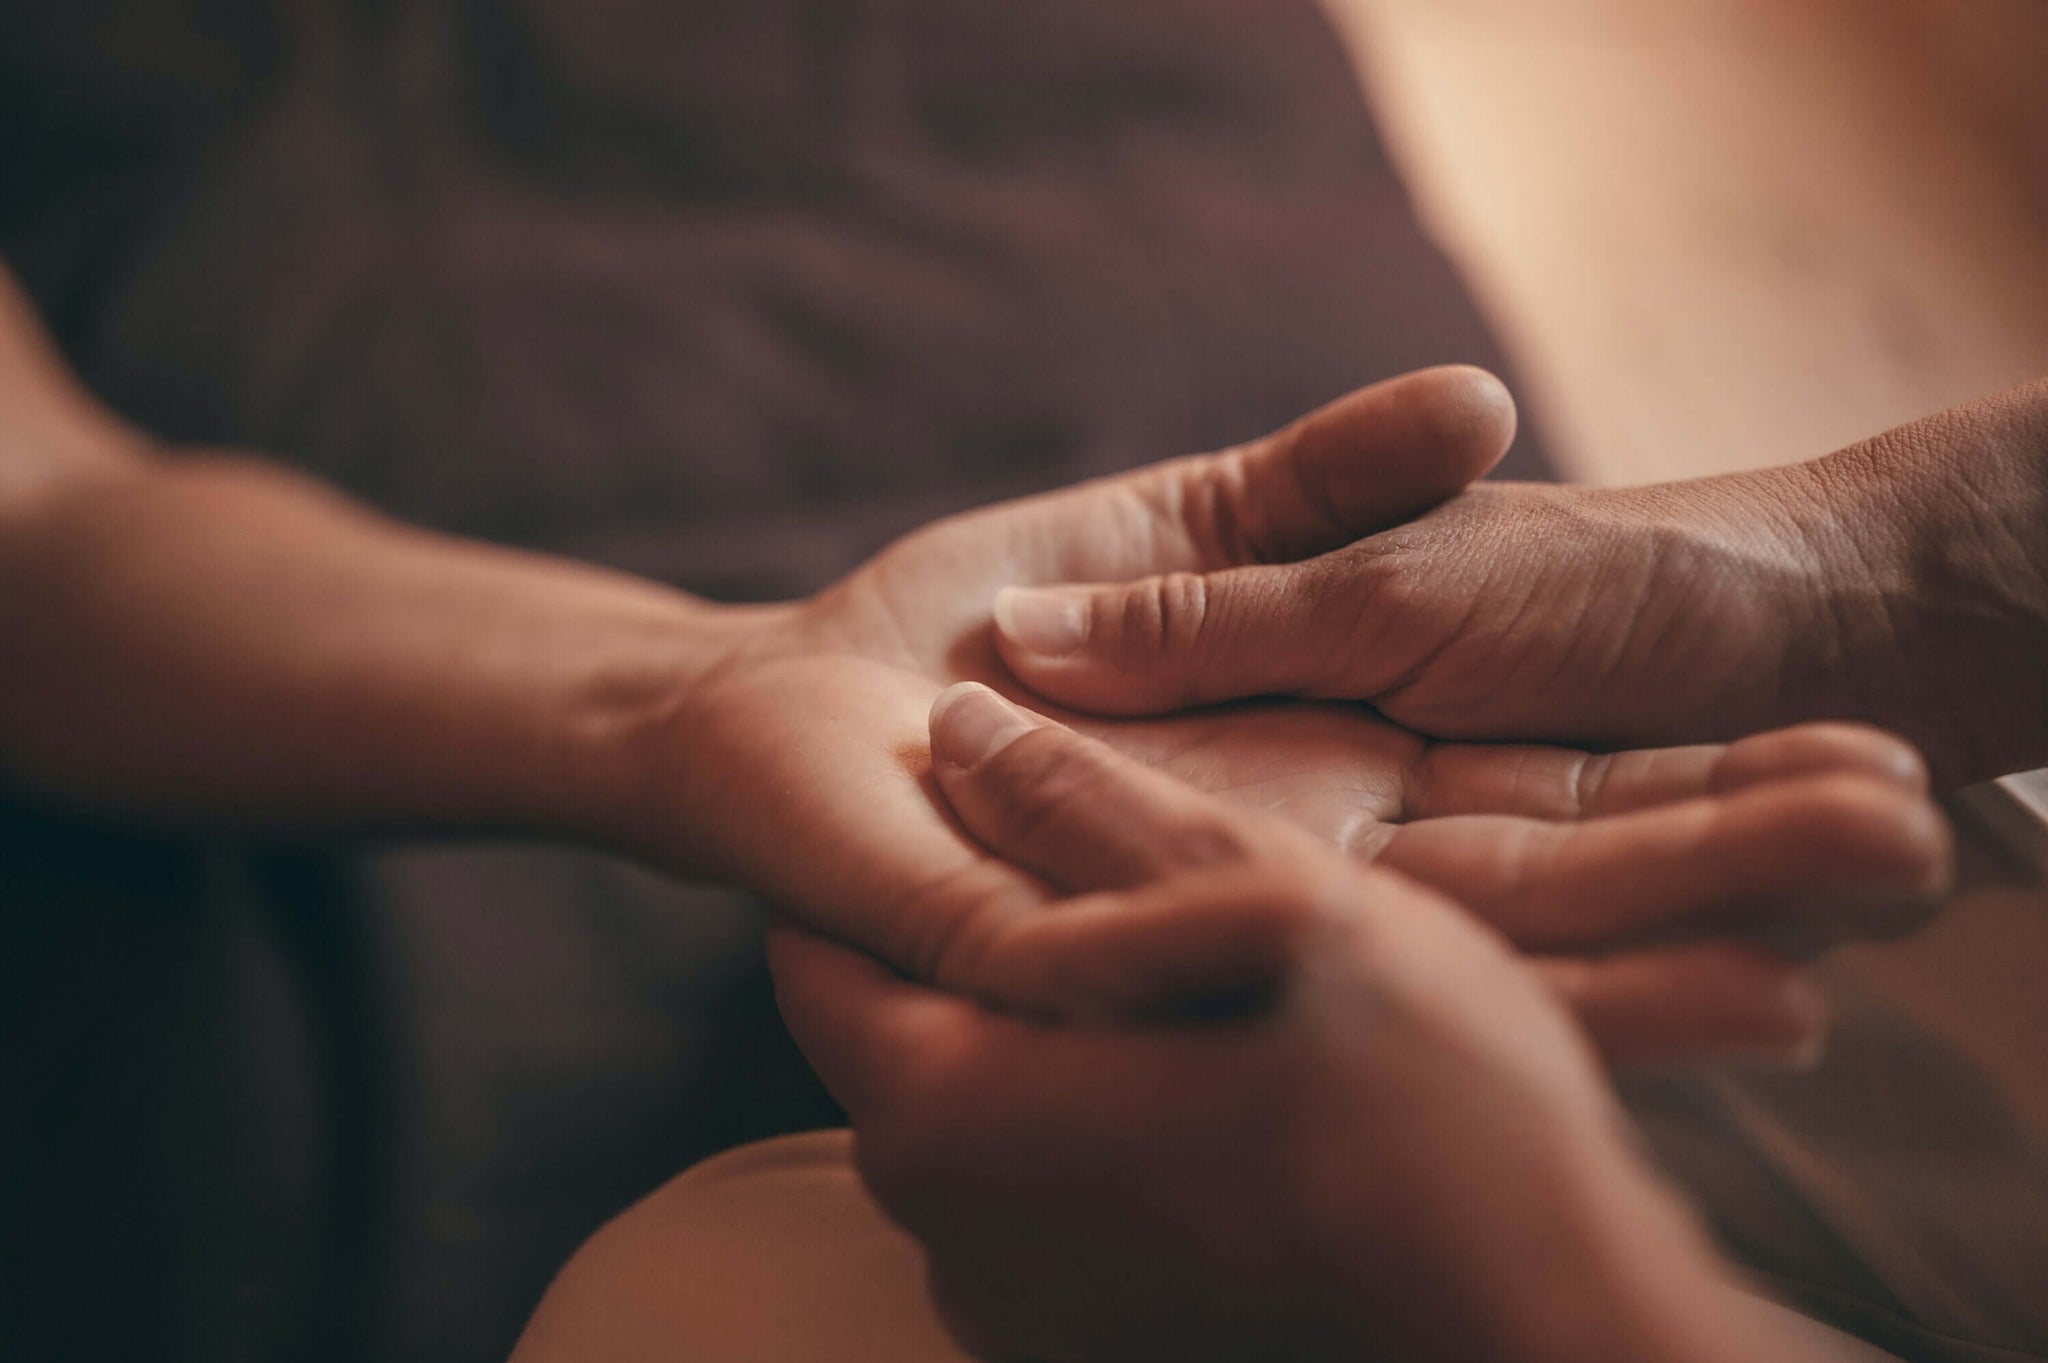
821	709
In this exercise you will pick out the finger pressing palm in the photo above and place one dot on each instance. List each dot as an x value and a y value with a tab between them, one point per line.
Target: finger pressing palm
816	729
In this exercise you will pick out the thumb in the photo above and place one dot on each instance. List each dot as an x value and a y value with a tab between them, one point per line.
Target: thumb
1360	465
1367	461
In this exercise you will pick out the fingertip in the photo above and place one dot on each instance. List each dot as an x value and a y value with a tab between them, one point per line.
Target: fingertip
1900	837
1856	858
946	700
970	723
1045	622
1470	415
1814	749
1355	466
1386	452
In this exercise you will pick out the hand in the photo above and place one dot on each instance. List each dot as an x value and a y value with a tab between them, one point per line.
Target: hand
1406	1151
797	765
1903	581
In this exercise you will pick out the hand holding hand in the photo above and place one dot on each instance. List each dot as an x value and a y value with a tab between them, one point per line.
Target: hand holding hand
1404	1148
797	763
1903	581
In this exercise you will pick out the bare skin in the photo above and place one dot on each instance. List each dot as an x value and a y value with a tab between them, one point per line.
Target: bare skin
1565	850
203	637
1408	1152
1902	582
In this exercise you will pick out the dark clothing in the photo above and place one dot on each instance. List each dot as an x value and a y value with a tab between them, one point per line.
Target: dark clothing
728	292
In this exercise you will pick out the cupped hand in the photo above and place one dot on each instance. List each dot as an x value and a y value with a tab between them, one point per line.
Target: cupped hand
804	773
1901	581
1404	1148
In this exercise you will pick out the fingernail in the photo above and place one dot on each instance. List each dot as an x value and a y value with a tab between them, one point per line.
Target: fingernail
1049	621
971	724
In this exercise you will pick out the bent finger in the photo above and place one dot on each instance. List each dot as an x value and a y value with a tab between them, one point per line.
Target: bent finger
1691	1006
1844	852
1564	783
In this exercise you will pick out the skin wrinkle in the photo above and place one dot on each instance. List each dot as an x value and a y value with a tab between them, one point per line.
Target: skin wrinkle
1184	621
1374	583
1588	782
1419	781
1535	618
1843	526
1364	835
1662	566
1163	613
941	945
1985	525
1334	651
1228	518
1370	796
1518	782
1314	491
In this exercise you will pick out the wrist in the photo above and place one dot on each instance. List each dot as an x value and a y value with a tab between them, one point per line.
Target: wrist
1932	596
631	764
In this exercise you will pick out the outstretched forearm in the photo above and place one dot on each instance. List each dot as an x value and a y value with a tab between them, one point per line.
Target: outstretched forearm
209	638
197	637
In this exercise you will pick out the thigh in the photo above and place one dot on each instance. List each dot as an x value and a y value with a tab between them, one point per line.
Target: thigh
772	1253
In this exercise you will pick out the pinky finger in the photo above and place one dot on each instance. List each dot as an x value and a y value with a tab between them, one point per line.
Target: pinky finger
1694	1006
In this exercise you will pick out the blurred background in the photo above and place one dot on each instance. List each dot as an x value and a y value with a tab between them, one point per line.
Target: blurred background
1721	234
730	293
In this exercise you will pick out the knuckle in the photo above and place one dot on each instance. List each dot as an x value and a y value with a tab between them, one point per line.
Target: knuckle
1590	776
1827	745
1165	614
937	918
